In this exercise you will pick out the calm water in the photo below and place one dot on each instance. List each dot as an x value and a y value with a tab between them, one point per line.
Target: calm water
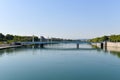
59	62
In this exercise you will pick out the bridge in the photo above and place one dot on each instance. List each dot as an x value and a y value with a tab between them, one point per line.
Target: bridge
51	42
43	41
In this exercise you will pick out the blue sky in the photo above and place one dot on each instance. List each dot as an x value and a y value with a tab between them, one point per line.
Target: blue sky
60	18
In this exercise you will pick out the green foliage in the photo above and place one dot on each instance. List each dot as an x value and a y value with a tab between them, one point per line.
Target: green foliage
25	38
112	38
2	37
36	38
9	37
99	39
15	38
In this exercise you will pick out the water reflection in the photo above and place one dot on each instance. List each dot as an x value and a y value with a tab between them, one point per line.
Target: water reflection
115	53
64	47
13	50
112	50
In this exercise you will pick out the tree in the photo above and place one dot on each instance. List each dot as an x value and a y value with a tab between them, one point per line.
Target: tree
9	37
99	39
115	38
36	38
2	37
104	38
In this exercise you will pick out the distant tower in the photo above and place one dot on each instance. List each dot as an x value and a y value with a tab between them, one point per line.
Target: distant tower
48	39
40	39
33	39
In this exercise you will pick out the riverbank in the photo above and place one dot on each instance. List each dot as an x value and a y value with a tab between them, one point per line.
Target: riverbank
113	44
6	46
109	46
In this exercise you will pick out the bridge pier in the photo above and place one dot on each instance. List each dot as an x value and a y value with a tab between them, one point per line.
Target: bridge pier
101	45
41	45
77	46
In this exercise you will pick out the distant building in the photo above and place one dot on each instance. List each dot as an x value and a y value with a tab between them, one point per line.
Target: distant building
42	38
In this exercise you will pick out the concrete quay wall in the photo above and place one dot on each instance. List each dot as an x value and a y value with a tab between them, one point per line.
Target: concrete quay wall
107	44
113	44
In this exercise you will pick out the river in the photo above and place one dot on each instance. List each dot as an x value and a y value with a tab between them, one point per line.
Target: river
59	62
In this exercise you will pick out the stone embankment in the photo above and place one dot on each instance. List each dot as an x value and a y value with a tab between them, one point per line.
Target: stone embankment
5	46
109	46
113	44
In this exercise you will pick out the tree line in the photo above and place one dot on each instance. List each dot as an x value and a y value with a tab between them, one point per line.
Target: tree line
9	38
112	38
15	38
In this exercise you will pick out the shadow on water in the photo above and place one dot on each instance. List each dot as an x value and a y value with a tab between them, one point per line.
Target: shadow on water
113	51
36	47
69	49
99	49
13	50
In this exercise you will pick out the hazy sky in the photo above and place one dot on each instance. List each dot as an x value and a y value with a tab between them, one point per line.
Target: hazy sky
60	18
